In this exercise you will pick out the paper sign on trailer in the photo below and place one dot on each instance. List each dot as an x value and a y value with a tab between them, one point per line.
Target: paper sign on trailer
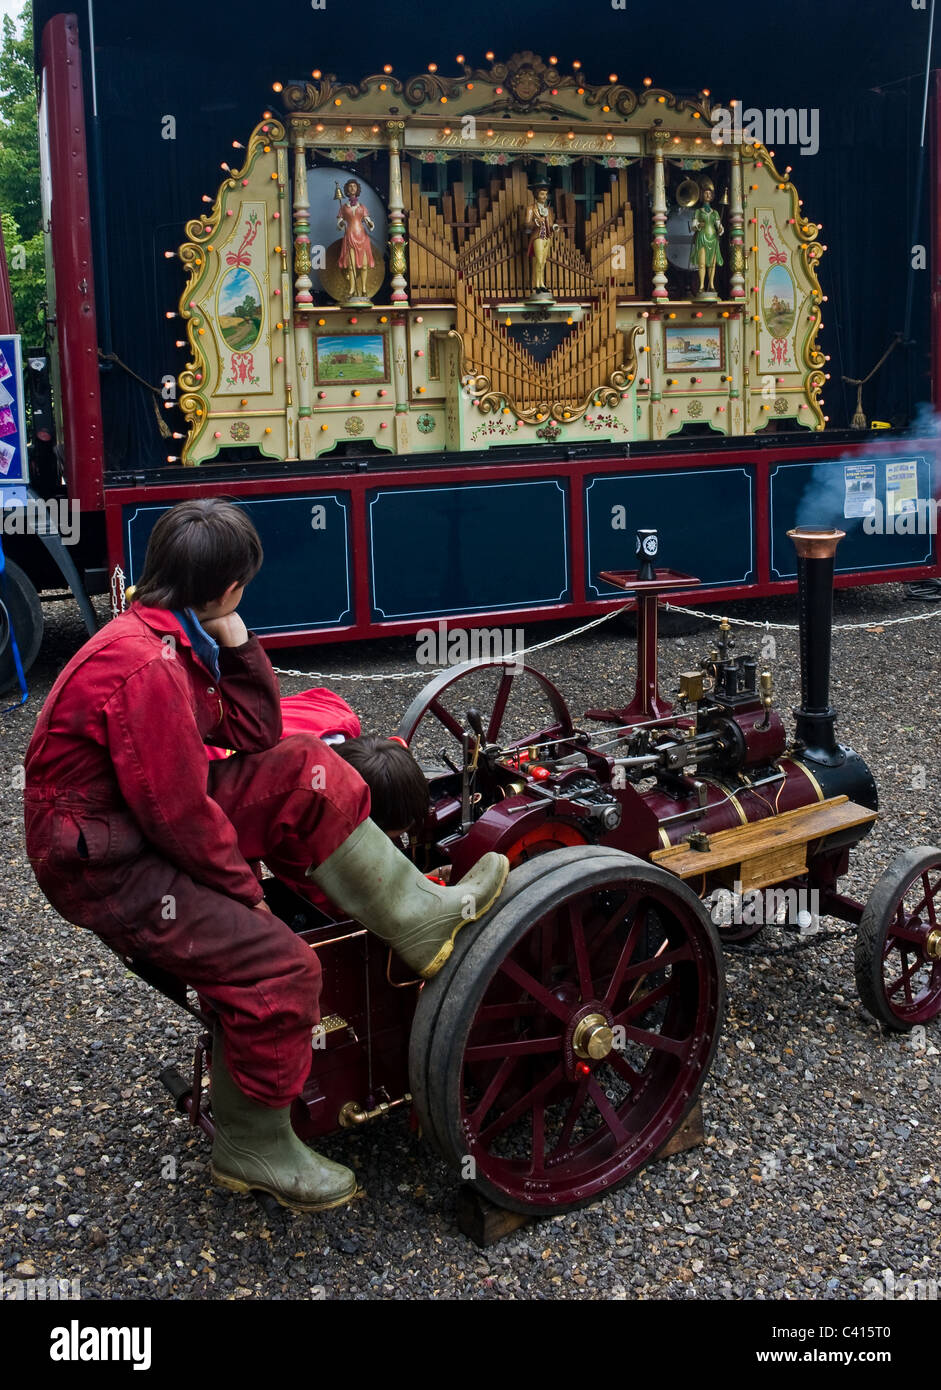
13	460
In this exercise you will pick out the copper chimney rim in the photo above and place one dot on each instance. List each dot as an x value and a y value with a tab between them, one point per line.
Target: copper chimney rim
816	542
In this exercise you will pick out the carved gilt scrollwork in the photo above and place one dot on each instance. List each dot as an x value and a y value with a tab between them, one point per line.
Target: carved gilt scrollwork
606	395
195	255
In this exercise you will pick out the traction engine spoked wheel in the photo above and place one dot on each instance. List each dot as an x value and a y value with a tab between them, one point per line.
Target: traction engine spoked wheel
434	992
440	700
898	944
570	1037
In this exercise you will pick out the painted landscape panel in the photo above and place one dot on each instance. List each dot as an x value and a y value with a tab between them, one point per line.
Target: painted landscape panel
689	346
351	357
239	309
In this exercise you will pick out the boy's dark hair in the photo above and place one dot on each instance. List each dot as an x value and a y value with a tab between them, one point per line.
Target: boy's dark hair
398	791
196	550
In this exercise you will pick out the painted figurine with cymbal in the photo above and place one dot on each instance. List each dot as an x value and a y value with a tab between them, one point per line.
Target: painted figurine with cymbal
356	256
540	226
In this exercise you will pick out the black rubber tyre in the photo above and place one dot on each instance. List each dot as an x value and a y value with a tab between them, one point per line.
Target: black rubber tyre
598	1125
434	991
898	983
19	604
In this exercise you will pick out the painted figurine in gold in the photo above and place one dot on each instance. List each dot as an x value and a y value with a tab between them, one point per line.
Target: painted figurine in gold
356	255
705	253
540	227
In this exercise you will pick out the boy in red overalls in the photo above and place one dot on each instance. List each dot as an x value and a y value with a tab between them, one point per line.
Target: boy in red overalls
132	834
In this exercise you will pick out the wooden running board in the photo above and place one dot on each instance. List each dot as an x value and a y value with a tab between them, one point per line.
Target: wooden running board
765	851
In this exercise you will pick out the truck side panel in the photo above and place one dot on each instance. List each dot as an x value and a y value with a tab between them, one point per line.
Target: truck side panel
69	228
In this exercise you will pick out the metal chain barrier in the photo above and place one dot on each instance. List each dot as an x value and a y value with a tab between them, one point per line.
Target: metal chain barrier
118	591
425	672
793	627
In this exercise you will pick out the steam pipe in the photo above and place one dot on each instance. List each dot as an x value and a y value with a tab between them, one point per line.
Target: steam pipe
816	717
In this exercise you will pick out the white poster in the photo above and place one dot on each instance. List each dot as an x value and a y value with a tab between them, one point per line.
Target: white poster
859	489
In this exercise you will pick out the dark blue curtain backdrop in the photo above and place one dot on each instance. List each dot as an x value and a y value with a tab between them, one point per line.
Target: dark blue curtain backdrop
211	67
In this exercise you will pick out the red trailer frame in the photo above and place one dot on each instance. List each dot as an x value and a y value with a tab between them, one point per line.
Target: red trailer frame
572	474
64	153
64	121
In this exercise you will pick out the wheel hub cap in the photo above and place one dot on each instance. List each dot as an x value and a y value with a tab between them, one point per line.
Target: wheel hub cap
933	945
593	1037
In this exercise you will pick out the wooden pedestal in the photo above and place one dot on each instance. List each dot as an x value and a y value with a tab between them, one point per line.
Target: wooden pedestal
485	1224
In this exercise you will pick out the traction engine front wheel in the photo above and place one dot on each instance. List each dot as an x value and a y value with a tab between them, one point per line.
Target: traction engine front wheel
898	945
567	1039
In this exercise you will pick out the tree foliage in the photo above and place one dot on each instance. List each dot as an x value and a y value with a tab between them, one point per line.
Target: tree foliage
26	261
19	174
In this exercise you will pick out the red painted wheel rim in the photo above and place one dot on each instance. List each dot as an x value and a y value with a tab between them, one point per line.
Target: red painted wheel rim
537	1129
452	686
543	840
911	981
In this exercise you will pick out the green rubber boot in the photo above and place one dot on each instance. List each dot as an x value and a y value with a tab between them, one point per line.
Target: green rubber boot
374	882
256	1147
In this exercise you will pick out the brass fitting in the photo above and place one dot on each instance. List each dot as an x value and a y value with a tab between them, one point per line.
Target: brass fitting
513	788
593	1037
933	944
816	542
352	1113
692	685
766	684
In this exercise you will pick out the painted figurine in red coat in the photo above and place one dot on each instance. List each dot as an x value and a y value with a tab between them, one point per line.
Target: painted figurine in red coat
356	255
134	835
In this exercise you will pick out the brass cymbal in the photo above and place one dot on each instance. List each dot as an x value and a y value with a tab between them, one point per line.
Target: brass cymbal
334	280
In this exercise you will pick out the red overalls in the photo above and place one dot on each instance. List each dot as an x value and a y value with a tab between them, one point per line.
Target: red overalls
126	838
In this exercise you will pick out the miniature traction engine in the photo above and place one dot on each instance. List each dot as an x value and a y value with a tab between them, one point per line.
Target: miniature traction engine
568	1036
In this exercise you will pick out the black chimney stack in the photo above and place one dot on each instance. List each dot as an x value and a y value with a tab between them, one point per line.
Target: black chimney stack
816	549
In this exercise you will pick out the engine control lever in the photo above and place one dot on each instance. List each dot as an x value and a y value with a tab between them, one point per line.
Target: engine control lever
767	698
471	748
475	721
443	755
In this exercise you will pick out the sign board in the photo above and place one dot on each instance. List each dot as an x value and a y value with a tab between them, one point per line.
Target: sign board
14	466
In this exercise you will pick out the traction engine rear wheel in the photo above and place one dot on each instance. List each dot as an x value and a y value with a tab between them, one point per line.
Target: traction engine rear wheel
508	697
898	945
569	1037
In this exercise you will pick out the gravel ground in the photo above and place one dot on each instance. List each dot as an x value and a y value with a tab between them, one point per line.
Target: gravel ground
820	1169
